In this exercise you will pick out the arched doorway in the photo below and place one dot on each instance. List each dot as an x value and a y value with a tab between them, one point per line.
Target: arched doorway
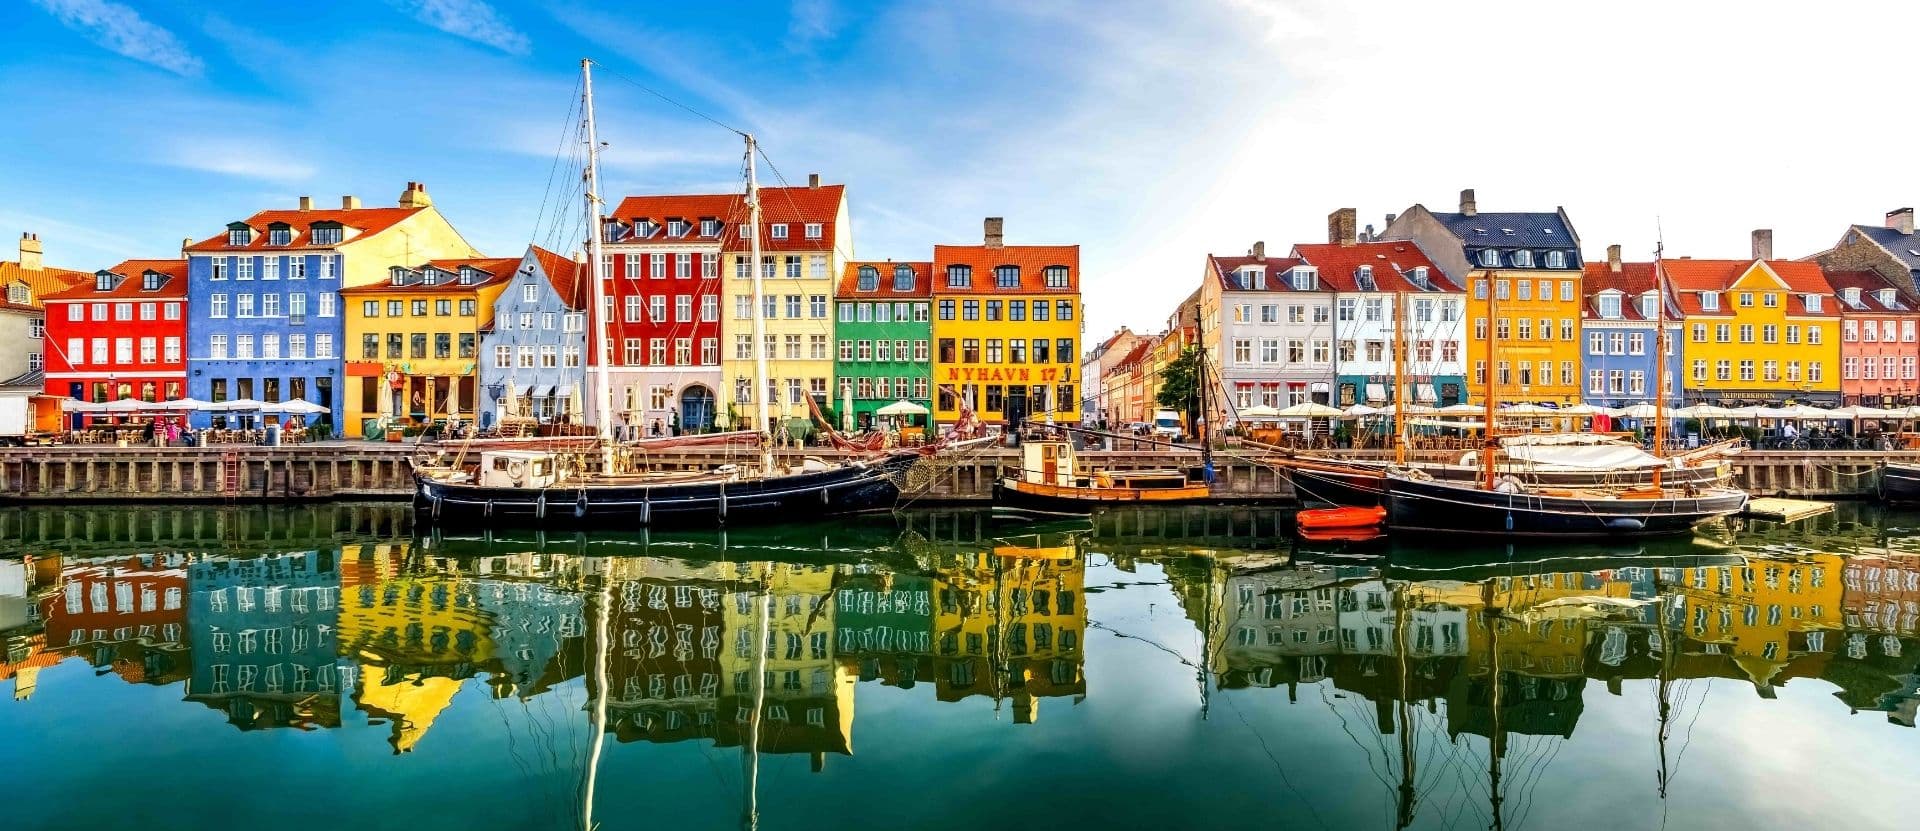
696	408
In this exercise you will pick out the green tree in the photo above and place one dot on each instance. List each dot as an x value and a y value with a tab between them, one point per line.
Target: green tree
1180	386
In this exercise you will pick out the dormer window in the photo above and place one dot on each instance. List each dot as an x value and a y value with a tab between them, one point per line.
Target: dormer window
778	230
326	233
814	230
645	228
959	276
17	293
469	275
1363	279
709	227
1418	276
903	278
1649	305
1850	296
1006	276
1556	259
103	281
1523	259
1609	306
1306	278
399	275
238	234
1057	277
1250	278
279	234
1886	297
1813	302
1489	258
152	281
676	228
1709	301
869	279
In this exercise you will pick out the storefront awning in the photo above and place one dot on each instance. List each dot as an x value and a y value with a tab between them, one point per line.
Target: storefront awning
1376	392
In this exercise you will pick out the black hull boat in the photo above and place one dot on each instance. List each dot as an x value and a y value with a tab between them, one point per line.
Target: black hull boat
855	487
1364	483
1455	508
1900	483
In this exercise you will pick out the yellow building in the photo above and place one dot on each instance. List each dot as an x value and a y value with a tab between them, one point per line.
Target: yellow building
805	240
808	704
1764	613
1031	591
1527	266
1758	331
413	341
1007	330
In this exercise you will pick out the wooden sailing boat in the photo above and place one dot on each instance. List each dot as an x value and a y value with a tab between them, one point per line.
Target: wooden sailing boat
1506	507
520	485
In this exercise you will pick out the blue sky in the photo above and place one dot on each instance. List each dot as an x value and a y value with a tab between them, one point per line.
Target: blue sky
1150	133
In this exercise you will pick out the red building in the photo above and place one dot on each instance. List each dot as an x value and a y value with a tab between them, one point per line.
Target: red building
1879	352
121	335
662	268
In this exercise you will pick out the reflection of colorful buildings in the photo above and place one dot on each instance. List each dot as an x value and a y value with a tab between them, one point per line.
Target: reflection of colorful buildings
885	625
666	635
264	636
416	636
808	693
128	615
1875	668
1030	593
1772	616
22	581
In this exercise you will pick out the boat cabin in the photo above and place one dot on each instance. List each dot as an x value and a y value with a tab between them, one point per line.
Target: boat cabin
1054	463
519	469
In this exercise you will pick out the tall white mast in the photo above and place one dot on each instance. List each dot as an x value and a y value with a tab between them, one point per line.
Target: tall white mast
596	336
761	391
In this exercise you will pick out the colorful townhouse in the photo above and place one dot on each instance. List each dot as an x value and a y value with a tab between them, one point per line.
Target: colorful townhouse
524	379
805	695
263	317
120	335
1123	386
805	240
663	296
264	638
1528	265
1252	306
1878	350
1374	284
1619	321
1006	330
1181	336
25	281
1759	331
1094	370
413	342
883	336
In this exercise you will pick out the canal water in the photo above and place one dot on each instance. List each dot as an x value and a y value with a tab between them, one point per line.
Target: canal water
315	667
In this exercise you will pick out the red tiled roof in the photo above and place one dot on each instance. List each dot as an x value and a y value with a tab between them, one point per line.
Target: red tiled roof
1632	281
1033	261
134	272
568	277
1869	282
1688	277
1224	267
850	280
498	270
368	221
41	281
1390	261
793	206
1138	353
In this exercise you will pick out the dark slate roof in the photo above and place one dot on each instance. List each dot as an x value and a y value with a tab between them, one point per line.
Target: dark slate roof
34	378
1512	232
1904	246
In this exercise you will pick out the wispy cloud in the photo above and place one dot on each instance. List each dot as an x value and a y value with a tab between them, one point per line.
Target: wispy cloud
470	19
235	158
812	20
123	31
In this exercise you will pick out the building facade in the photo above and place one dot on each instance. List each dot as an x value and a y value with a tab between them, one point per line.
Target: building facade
1759	331
519	386
1527	266
23	322
1621	350
1251	307
1375	284
413	342
1095	404
120	335
661	269
883	336
264	635
1007	330
1878	351
263	319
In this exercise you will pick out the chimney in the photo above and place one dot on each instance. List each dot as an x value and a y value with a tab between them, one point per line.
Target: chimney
1467	205
1613	258
1901	219
1391	218
996	238
1340	225
1260	250
30	252
813	180
184	242
1763	244
306	203
1367	235
349	203
415	196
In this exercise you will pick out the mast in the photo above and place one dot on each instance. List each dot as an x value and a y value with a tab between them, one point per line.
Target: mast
1492	439
1400	378
596	338
1659	358
761	392
1200	390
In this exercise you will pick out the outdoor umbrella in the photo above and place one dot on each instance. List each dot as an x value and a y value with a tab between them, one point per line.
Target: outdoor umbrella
1308	409
1261	411
902	407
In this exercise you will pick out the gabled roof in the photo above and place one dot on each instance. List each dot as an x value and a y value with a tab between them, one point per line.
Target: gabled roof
1870	284
850	280
493	270
41	281
1140	352
1688	277
1632	281
568	278
367	221
1221	270
1390	262
1904	247
1033	261
1529	229
792	206
133	274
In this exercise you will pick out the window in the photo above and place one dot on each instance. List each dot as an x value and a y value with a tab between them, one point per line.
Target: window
814	230
1556	259
959	277
1057	277
1610	305
1006	276
1489	258
777	230
502	356
1709	301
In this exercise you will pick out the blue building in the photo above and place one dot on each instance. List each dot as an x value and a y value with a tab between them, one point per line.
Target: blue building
264	632
1618	356
263	319
519	380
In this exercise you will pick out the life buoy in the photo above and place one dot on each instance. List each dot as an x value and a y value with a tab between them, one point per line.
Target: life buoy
516	470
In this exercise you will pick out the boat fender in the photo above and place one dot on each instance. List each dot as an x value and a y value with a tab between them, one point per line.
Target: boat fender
826	496
540	506
436	506
1625	523
488	510
646	508
580	506
723	501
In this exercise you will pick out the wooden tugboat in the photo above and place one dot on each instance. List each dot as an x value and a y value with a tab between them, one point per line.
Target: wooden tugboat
1050	479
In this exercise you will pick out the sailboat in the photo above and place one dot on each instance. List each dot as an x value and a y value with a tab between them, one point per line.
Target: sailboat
1506	507
515	484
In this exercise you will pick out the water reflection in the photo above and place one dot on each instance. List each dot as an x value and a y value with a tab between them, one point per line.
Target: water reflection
767	643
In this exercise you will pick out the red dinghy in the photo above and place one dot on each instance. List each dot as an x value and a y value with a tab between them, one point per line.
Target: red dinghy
1345	519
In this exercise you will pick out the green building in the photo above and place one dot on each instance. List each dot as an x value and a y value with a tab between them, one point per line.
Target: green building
884	330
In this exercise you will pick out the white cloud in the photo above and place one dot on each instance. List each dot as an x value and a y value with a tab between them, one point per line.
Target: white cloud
123	31
236	158
470	19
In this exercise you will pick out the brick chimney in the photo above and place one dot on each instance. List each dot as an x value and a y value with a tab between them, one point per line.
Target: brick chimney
1613	258
1260	250
1340	226
813	180
1901	219
30	252
415	196
1467	205
1763	244
996	236
306	203
349	203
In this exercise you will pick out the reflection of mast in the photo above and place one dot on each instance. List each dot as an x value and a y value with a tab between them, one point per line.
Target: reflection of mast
750	749
1497	742
1408	798
601	643
1666	707
1206	636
